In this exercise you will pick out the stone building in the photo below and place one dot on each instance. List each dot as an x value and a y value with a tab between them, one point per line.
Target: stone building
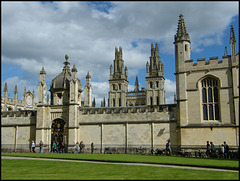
14	104
206	108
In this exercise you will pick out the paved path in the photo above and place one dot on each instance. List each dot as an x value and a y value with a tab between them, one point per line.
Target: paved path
123	163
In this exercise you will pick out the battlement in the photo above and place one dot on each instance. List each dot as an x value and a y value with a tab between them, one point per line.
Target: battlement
203	64
18	118
10	100
21	113
130	109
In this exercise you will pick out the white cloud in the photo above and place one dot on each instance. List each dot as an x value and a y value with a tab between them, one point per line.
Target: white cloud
100	91
170	88
36	34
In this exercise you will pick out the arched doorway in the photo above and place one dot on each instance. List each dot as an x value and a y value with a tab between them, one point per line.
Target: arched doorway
59	133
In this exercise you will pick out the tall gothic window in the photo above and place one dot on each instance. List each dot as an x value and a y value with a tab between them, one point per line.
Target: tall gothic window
113	102
210	99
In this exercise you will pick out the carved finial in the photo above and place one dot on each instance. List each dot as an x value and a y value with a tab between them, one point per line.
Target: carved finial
74	69
232	36
226	52
42	71
66	63
88	76
66	57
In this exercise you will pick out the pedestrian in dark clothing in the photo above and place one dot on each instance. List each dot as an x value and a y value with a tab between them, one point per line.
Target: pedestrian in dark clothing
92	147
226	150
208	149
168	147
81	146
213	150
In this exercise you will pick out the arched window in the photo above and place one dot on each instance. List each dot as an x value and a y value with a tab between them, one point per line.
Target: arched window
210	99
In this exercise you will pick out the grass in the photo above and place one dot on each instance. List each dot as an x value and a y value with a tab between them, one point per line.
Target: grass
137	158
57	170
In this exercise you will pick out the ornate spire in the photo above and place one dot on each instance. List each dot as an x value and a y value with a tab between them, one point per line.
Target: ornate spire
42	71
181	31
232	36
226	52
5	87
15	90
136	85
24	93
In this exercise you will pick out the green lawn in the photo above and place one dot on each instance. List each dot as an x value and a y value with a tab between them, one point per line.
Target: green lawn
57	170
137	158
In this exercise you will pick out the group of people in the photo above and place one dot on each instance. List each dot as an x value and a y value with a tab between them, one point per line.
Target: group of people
33	147
222	151
79	148
57	147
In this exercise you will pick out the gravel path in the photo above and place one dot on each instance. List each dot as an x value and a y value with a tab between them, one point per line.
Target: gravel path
123	163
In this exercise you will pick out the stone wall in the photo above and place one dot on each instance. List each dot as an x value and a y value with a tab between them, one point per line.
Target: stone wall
128	127
17	130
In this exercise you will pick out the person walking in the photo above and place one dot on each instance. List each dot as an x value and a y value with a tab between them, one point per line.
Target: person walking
76	148
81	146
54	146
33	146
208	149
40	146
226	149
92	148
168	147
213	149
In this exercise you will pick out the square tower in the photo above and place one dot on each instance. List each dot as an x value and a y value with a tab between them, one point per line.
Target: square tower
118	82
155	93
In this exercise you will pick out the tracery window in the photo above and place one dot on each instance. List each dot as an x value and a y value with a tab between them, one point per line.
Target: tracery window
210	99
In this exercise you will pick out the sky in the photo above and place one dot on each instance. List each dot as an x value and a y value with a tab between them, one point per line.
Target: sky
39	34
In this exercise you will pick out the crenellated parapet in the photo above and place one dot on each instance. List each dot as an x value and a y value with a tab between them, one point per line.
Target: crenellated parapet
18	118
132	114
125	110
21	113
207	65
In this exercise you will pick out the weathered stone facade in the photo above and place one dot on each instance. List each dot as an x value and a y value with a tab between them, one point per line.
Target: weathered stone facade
206	109
13	104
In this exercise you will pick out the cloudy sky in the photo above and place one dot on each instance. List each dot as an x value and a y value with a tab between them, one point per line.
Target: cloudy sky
36	34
